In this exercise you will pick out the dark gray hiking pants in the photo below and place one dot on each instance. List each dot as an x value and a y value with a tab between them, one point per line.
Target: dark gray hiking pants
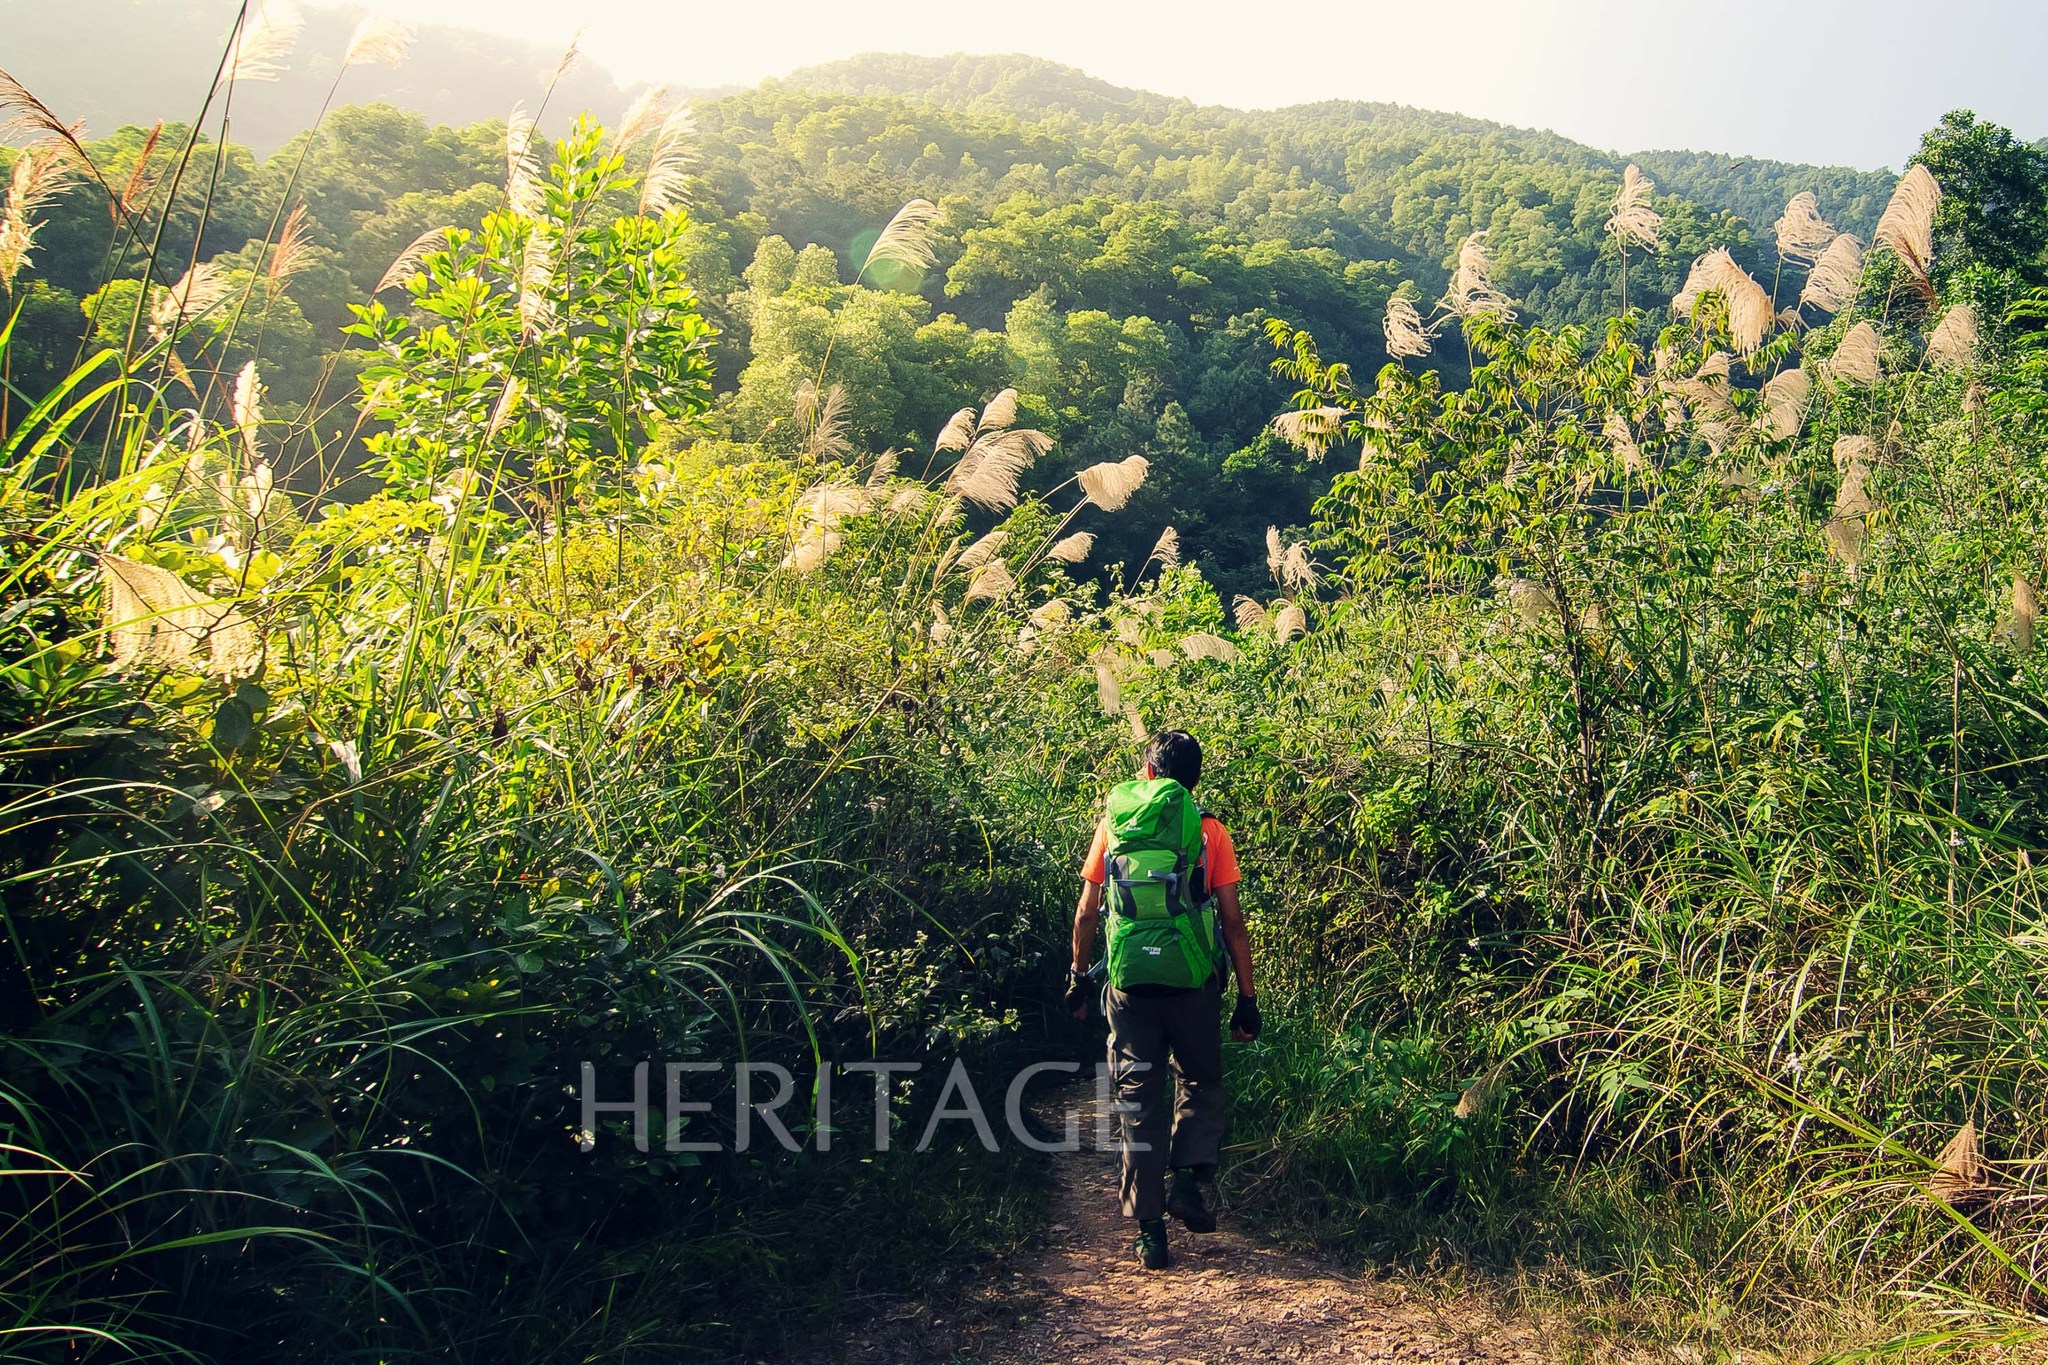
1159	1128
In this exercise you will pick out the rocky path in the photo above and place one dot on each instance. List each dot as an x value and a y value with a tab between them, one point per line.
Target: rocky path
1227	1298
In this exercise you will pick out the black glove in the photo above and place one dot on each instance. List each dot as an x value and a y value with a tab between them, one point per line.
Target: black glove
1080	989
1245	1018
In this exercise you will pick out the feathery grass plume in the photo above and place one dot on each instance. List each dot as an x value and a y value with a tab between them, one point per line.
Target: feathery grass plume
1848	528
153	617
991	583
958	433
508	403
2025	611
1297	570
1112	483
288	257
41	172
1162	658
24	118
1962	1174
987	474
1167	550
977	554
1852	451
1856	359
1633	219
257	486
1621	442
1836	276
1249	614
642	116
907	240
1001	411
407	263
382	38
1203	645
884	470
1953	346
247	408
263	39
1108	695
141	183
1311	430
1134	722
1472	293
1072	549
1407	334
828	439
536	277
1750	311
1289	623
1801	233
827	504
1053	613
814	545
1785	398
1130	630
522	171
1276	553
661	188
908	501
942	629
1907	226
1533	604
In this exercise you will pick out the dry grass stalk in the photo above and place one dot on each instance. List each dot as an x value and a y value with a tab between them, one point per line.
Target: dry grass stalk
1250	615
1407	335
261	43
382	38
1167	550
662	187
907	240
1111	484
1953	346
1836	277
152	617
1856	359
1108	695
1633	219
1963	1176
1472	293
1202	645
1289	623
407	263
1907	225
2025	611
1311	430
991	582
1072	549
1785	398
1621	442
1801	233
979	553
1297	570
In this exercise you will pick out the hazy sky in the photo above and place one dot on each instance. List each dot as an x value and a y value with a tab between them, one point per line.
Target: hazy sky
1801	80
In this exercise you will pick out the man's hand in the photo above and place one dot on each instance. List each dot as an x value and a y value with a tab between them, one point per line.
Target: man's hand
1244	1020
1079	992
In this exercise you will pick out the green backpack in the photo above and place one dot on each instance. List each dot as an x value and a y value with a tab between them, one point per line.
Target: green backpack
1162	924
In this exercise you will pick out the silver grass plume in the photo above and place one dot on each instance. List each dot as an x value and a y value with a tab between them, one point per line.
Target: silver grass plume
382	38
1750	311
1167	550
988	473
1848	528
958	433
991	583
1953	345
2025	610
661	188
828	439
642	116
41	173
1472	293
262	41
247	407
152	617
1856	358
1407	335
1001	411
1836	276
1311	430
1621	442
1203	645
981	551
1907	225
1533	604
1053	613
508	403
1250	615
288	257
1072	549
1801	233
1111	484
813	547
407	263
1633	220
884	470
201	289
1853	451
1134	721
1961	1172
536	278
1297	570
1276	554
1108	695
522	173
907	240
1785	399
1289	622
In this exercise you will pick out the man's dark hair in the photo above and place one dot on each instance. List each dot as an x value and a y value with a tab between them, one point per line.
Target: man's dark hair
1175	754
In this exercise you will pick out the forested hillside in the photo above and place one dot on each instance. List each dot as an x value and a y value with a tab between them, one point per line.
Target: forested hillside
1109	253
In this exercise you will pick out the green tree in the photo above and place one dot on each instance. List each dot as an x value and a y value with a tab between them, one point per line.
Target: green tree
1994	195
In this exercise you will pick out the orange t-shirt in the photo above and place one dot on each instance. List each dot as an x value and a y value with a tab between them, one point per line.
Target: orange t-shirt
1219	856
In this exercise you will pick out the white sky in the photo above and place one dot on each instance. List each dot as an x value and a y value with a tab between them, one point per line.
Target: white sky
1801	80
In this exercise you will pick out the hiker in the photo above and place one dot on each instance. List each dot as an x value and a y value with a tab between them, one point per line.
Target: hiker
1170	874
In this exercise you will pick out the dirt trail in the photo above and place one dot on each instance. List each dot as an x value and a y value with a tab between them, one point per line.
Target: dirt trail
1226	1298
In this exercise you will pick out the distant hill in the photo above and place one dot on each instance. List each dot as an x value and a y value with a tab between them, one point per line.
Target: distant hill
115	62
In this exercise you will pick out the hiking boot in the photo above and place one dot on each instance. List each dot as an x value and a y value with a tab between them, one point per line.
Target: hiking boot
1151	1245
1185	1202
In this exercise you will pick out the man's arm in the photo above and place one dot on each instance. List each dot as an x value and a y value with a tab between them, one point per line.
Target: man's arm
1087	921
1230	919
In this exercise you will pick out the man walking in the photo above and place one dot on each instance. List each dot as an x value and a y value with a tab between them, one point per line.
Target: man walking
1168	874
